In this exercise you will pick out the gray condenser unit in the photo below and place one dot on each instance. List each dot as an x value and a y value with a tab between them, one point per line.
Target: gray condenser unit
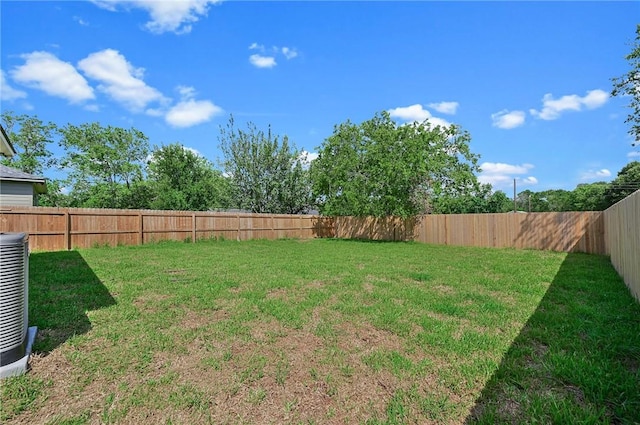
16	337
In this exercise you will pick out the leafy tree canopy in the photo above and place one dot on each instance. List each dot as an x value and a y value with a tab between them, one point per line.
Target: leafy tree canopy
267	175
629	85
30	136
105	162
380	168
181	179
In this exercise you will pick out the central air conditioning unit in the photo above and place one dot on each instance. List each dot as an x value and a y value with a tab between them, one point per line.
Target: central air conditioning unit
16	338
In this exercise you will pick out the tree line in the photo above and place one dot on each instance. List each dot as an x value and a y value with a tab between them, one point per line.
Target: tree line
376	168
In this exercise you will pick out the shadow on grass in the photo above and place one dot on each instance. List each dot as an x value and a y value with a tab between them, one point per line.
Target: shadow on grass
62	288
577	359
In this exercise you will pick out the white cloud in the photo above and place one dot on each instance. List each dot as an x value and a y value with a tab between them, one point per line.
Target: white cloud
260	61
595	174
506	119
417	113
44	71
595	99
81	21
633	154
7	92
189	112
196	152
120	80
266	58
186	92
166	16
289	53
92	108
553	108
445	107
501	175
306	158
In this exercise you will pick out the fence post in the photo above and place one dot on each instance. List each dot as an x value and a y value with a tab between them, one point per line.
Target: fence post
140	229
67	230
193	229
238	235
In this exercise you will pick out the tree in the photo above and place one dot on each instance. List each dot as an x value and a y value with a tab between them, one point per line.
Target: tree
54	196
482	201
379	168
183	180
591	196
266	175
106	164
554	200
626	182
30	136
629	85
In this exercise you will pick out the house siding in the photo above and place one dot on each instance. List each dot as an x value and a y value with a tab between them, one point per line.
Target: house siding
16	194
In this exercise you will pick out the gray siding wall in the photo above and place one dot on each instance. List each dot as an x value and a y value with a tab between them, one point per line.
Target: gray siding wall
16	194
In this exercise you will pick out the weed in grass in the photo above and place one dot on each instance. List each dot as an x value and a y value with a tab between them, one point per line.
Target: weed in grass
282	369
290	405
332	388
254	369
396	410
257	395
80	419
313	373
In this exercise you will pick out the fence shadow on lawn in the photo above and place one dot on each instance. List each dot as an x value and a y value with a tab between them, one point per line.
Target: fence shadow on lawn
62	288
577	359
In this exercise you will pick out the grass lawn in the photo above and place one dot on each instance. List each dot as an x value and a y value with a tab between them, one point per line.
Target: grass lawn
327	331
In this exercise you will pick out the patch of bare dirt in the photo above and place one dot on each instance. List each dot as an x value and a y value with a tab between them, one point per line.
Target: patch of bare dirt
444	289
147	302
278	293
315	284
509	409
193	320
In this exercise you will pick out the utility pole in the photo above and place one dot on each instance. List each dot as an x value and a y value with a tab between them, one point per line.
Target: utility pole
514	196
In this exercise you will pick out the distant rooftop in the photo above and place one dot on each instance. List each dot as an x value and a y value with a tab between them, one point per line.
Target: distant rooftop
6	148
12	174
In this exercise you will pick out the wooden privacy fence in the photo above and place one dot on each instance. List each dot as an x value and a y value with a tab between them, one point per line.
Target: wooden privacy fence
622	231
55	229
562	231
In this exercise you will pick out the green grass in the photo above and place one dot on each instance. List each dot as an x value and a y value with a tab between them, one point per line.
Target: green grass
327	331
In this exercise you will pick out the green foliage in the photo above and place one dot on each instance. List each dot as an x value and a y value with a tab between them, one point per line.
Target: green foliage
596	196
379	168
30	136
54	196
183	180
266	175
483	201
627	85
105	163
591	197
627	182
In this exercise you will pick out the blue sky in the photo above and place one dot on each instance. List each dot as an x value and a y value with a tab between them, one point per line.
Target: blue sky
530	81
